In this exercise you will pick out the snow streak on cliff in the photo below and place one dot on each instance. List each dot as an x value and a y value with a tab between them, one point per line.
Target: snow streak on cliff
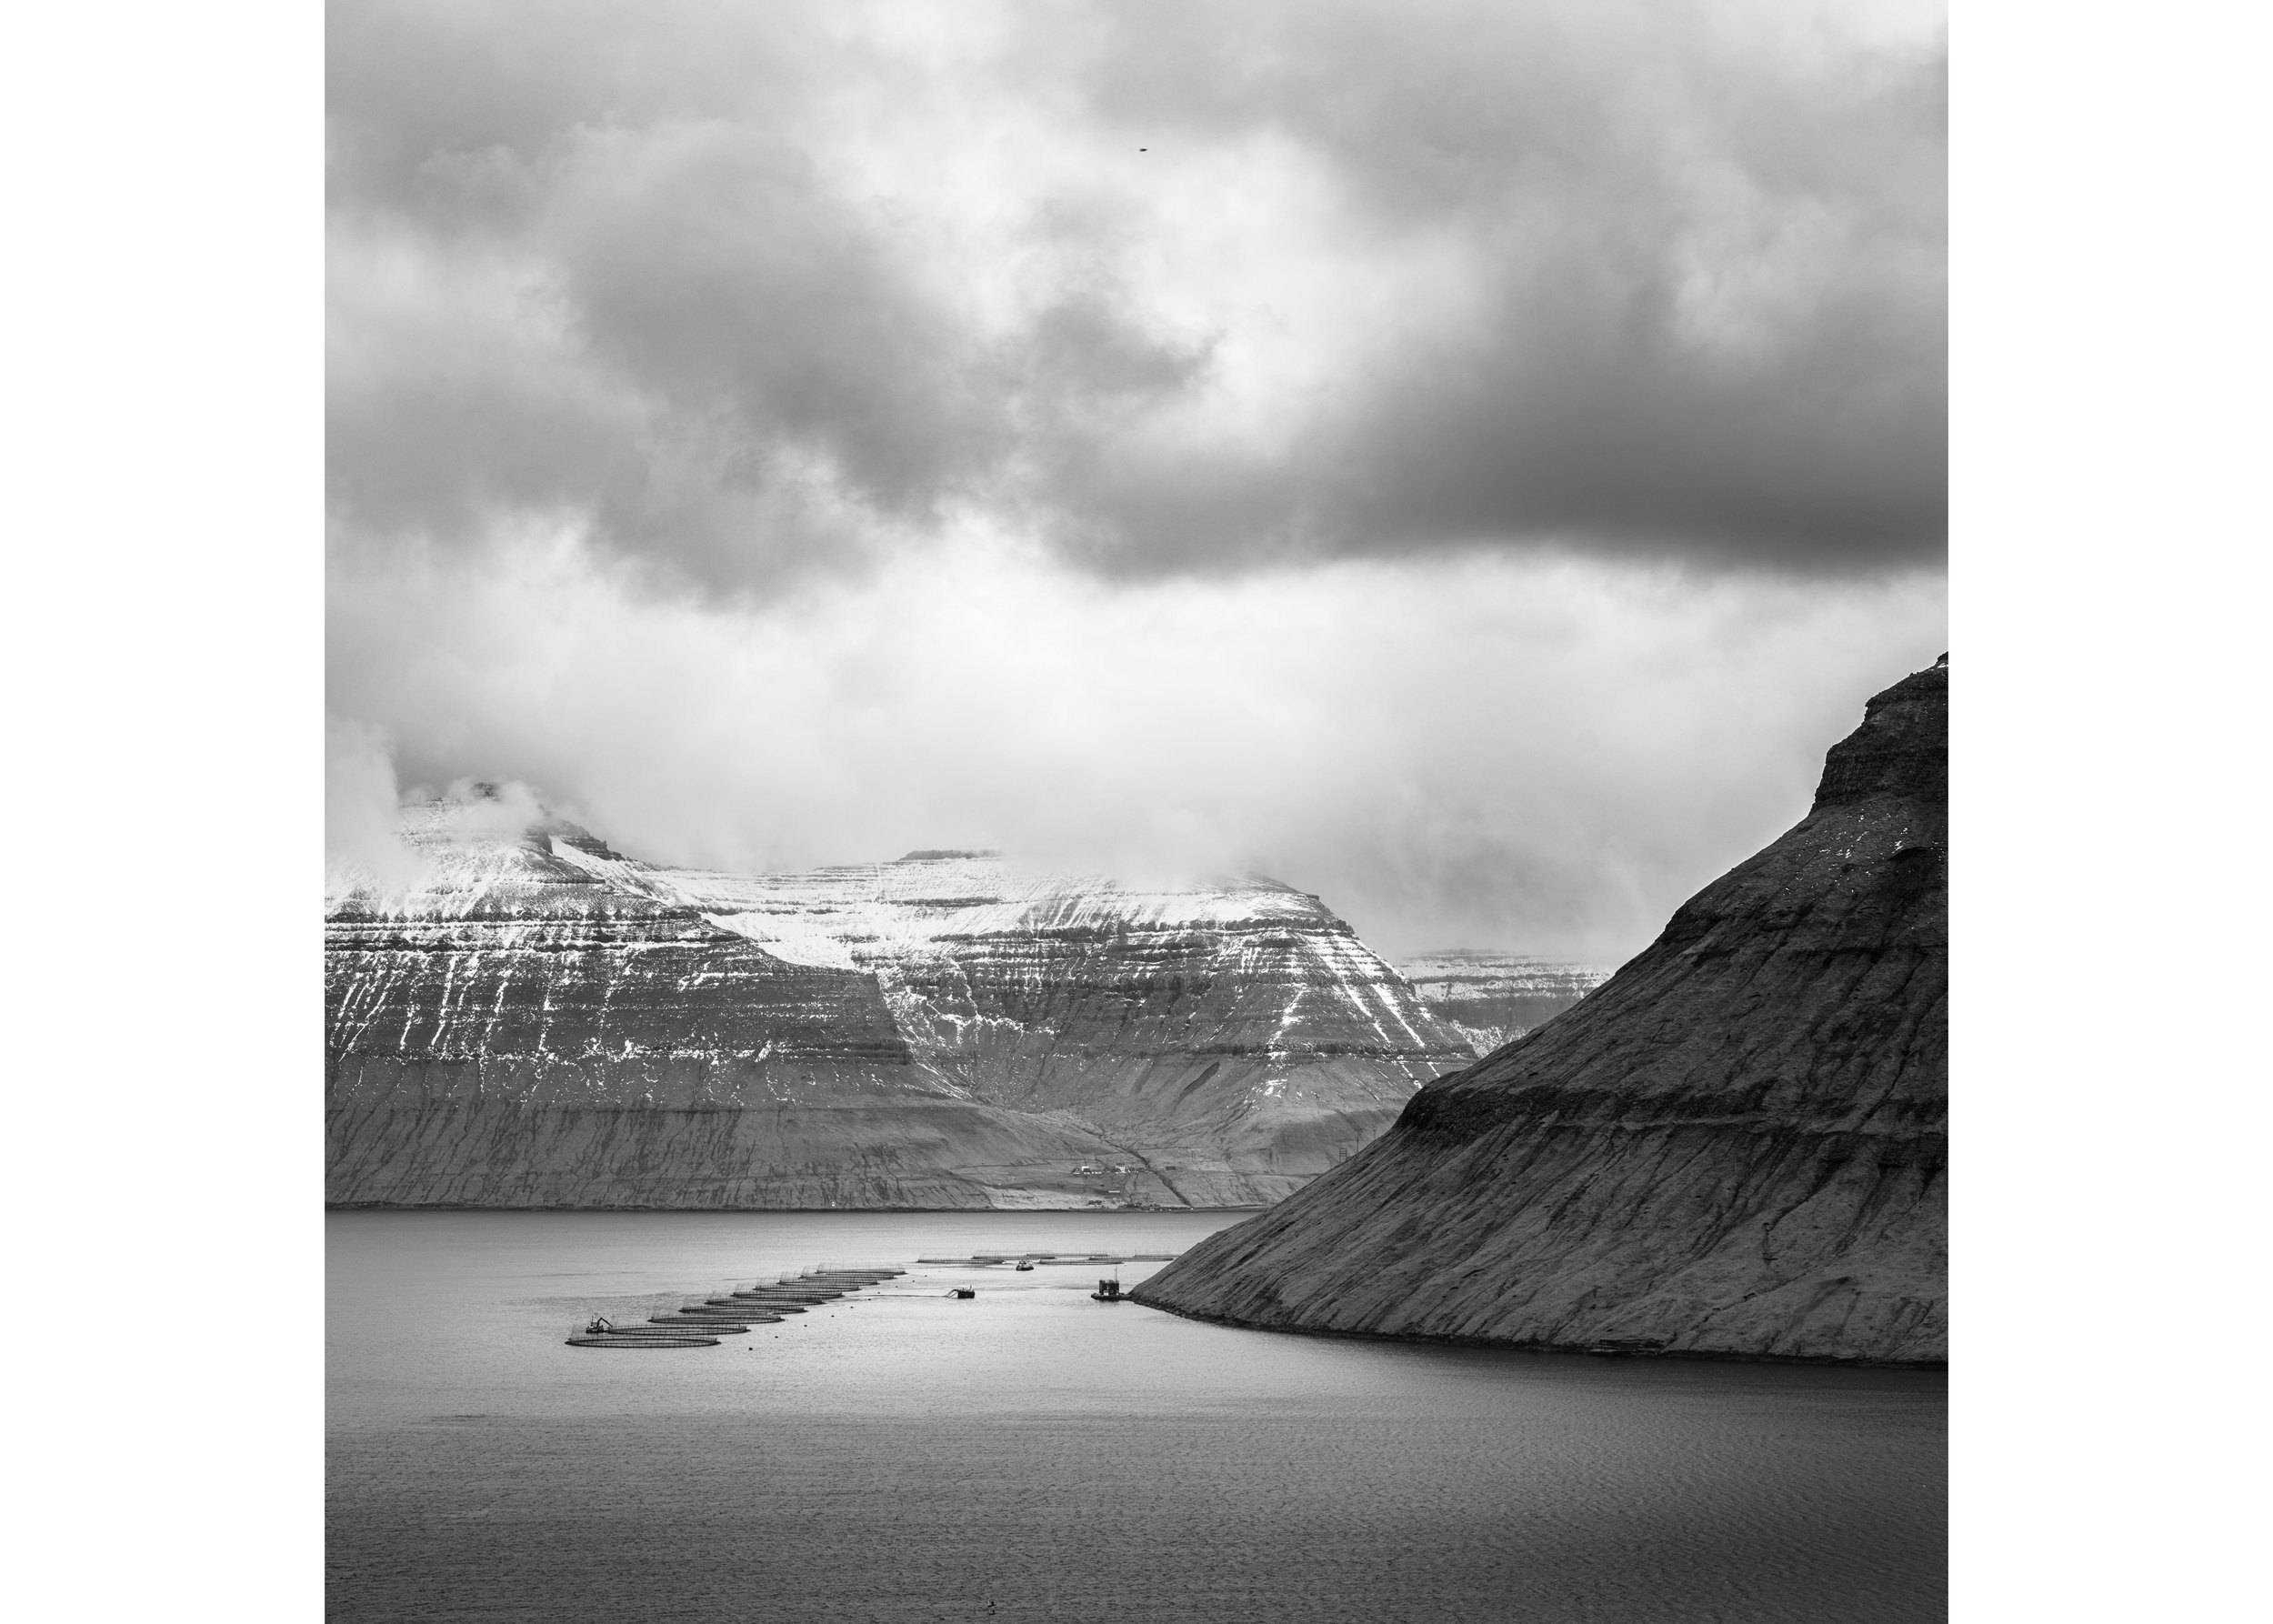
1493	998
543	1020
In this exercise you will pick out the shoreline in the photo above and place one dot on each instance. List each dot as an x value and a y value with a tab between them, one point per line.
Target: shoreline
491	1207
1698	1355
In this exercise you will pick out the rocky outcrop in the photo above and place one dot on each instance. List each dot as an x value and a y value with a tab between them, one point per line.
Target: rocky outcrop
1737	1146
1494	998
544	1021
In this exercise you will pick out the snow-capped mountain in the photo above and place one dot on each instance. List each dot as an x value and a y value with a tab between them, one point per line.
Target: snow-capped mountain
1491	998
542	1020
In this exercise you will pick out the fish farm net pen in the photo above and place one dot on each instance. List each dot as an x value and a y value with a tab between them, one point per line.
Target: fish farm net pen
745	1315
651	1333
684	1328
601	1331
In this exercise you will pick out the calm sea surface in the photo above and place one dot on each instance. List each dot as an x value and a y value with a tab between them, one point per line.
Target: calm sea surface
1031	1455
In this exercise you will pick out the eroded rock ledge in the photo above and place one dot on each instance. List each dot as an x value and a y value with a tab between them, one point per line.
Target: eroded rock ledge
1736	1147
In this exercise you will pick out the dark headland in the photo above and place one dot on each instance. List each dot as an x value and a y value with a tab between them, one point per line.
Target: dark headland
1738	1146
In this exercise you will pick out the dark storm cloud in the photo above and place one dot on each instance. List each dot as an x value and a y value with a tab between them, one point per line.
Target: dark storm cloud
1712	265
734	290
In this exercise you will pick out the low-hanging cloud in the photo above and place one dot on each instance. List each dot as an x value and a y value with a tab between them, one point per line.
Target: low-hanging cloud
363	845
1469	750
740	294
375	841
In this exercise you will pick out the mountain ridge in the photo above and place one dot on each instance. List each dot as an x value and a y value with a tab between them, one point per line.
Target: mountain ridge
544	1020
1493	998
1735	1147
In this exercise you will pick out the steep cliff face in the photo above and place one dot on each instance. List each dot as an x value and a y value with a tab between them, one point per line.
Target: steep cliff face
1494	998
544	1021
1737	1146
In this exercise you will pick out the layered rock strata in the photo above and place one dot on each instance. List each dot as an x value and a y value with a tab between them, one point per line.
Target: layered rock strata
1494	998
544	1021
1737	1146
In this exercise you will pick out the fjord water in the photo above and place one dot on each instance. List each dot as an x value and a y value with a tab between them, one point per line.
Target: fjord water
1031	1454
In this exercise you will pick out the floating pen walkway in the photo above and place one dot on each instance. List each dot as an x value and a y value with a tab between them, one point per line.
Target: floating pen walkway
701	1324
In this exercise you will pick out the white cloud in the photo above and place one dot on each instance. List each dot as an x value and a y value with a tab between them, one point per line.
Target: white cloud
1529	753
361	847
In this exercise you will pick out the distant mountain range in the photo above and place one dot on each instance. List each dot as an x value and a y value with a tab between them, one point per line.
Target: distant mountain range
542	1020
1491	998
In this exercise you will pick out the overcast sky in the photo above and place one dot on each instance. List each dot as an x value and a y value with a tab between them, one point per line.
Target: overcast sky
1469	460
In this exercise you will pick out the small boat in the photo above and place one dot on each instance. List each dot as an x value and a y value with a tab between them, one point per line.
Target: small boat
1023	1266
605	1333
1108	1291
963	1292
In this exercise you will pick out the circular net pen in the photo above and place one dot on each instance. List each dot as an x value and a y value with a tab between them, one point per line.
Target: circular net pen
664	1333
804	1289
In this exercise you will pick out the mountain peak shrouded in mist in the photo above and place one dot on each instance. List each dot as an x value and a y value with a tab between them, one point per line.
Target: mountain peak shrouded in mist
1554	778
483	824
